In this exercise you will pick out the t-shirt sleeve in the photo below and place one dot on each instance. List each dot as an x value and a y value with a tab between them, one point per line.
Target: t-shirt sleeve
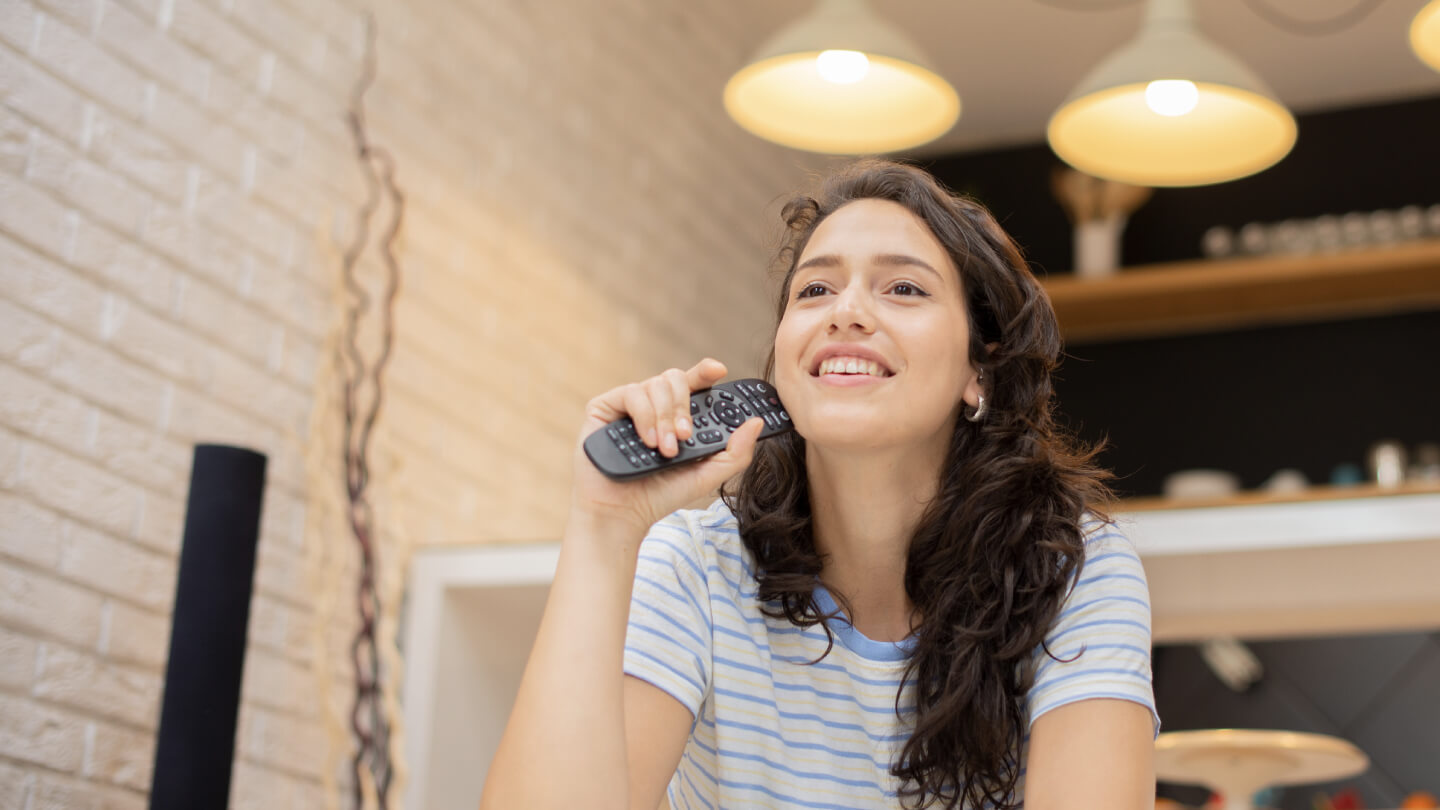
668	641
1102	635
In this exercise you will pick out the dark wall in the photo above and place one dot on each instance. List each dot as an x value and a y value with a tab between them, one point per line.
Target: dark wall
1253	401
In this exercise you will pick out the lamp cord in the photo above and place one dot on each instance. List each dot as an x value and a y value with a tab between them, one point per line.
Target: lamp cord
368	720
1313	28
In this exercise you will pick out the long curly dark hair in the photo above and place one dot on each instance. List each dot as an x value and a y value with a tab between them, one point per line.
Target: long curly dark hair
996	550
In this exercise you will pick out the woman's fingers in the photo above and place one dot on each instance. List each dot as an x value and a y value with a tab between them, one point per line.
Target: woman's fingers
659	406
704	374
662	399
680	399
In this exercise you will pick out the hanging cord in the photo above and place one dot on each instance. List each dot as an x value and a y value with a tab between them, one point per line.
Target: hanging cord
1313	28
368	720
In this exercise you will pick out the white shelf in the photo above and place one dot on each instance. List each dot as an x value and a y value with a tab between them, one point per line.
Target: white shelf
1311	567
1297	524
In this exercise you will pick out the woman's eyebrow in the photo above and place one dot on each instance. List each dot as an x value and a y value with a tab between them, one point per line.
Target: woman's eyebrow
886	259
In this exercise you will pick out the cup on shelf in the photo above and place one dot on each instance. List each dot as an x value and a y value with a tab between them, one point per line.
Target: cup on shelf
1217	242
1253	238
1200	483
1410	221
1327	233
1425	466
1384	228
1354	229
1288	480
1385	463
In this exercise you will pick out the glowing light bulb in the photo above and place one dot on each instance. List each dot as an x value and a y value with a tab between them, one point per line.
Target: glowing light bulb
1171	97
842	67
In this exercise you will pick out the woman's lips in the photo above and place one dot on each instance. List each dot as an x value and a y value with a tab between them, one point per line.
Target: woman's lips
849	380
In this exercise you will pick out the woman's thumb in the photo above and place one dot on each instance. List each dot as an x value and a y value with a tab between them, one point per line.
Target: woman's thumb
738	452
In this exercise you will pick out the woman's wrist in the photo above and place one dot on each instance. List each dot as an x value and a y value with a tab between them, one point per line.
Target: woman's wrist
605	530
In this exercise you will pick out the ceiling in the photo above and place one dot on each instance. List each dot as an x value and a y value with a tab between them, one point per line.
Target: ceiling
1014	61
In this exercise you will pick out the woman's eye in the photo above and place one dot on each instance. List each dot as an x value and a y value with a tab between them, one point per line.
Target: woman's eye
906	288
811	290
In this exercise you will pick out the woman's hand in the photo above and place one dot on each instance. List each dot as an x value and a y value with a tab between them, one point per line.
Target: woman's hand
660	409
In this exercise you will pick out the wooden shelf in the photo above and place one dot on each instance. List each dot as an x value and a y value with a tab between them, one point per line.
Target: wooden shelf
1213	295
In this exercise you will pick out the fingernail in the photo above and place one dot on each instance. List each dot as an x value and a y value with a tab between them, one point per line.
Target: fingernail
682	424
670	446
650	437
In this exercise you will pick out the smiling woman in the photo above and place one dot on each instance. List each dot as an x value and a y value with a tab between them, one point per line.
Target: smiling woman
891	605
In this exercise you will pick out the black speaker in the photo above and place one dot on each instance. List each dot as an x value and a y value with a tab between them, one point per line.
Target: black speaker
196	742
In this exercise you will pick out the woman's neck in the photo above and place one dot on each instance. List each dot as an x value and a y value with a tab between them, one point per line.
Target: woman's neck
866	507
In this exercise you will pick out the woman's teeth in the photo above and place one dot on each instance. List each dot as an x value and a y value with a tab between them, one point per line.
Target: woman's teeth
851	365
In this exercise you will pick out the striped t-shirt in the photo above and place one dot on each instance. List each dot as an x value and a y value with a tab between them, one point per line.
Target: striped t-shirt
773	730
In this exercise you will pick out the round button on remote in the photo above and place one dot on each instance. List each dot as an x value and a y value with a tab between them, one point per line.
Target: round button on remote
729	414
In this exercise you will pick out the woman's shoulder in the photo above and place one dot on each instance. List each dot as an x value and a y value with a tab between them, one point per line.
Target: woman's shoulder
708	536
1105	536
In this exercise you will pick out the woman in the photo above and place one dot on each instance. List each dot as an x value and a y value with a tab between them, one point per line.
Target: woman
913	599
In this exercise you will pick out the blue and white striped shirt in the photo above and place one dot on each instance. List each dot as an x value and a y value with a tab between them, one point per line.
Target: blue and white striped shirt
772	730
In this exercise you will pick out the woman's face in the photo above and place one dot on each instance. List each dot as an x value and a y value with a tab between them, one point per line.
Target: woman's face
873	348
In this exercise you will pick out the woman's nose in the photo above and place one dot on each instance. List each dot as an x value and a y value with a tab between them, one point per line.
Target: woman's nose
851	311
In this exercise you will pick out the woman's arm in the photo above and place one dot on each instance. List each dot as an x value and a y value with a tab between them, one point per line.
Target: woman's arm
580	734
1096	754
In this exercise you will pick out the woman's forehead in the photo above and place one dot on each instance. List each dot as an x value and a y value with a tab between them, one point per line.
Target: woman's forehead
878	231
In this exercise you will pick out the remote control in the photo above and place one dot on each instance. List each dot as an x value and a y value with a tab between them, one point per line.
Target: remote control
715	412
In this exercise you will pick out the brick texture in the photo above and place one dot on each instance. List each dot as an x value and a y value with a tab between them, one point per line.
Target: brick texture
176	185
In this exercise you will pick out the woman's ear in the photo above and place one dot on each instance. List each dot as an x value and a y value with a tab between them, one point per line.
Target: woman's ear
974	389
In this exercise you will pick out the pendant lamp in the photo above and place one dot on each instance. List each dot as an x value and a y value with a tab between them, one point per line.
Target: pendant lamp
1425	34
841	80
1170	108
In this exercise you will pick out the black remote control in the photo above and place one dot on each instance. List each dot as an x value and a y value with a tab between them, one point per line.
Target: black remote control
715	412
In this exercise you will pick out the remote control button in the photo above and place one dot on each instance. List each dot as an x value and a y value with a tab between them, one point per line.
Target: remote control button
746	408
709	400
784	416
690	442
634	460
613	433
761	387
694	407
725	395
729	414
710	436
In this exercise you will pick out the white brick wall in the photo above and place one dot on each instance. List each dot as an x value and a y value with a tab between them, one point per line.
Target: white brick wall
173	177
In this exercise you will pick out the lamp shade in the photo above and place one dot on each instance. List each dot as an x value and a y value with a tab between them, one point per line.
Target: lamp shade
1425	34
890	99
1229	126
